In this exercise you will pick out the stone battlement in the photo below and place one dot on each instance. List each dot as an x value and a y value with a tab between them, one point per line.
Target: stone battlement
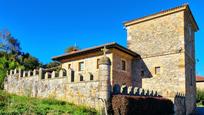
43	74
67	85
54	84
133	91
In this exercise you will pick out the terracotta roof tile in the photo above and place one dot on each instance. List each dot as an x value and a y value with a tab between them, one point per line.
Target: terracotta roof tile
96	48
199	78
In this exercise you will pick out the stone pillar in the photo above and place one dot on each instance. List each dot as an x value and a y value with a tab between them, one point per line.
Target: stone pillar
11	72
40	74
8	73
104	81
15	71
20	73
53	74
61	73
29	73
24	73
46	75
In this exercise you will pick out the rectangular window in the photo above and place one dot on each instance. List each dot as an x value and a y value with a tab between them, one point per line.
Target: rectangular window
157	70
81	78
81	66
123	65
72	76
97	64
69	66
91	77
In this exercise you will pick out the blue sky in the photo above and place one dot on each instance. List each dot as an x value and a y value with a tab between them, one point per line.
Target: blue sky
46	27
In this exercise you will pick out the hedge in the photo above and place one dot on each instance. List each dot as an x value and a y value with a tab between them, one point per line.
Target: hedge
141	105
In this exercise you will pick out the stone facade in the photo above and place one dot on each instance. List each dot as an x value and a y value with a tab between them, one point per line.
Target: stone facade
56	86
200	85
88	87
90	67
117	75
165	42
122	76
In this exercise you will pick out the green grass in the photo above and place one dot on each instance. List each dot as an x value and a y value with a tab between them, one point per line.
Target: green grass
11	104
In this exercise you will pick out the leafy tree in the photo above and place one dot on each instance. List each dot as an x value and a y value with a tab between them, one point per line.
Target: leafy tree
31	63
12	57
52	64
2	76
71	49
8	43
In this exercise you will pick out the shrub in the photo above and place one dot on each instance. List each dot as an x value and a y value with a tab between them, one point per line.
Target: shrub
141	105
199	95
2	76
53	102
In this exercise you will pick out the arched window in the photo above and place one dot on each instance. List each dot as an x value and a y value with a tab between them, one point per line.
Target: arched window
91	77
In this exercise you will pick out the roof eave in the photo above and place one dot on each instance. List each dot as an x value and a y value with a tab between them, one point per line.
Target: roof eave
160	14
109	45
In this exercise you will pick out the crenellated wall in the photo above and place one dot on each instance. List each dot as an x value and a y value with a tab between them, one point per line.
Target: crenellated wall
179	99
54	84
44	83
180	104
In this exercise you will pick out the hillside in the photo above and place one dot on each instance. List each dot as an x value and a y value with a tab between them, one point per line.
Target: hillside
11	104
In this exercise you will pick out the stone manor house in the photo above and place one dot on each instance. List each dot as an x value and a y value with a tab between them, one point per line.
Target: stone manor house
160	56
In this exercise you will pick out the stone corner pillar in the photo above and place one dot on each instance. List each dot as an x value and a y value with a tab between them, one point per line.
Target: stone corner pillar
104	83
104	78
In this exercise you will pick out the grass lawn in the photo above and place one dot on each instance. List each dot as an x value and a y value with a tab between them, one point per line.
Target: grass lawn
11	104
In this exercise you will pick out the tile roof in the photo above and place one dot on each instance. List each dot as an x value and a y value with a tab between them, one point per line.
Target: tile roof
199	78
96	48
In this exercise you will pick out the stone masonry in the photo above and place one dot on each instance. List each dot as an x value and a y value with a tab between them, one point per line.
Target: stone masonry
165	42
41	84
160	57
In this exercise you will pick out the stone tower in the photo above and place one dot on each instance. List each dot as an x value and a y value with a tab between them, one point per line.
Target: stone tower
166	44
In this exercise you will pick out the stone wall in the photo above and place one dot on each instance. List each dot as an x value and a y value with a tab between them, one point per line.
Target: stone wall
171	78
117	75
122	76
56	86
90	66
157	36
200	86
179	99
180	104
189	32
60	84
165	42
160	42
